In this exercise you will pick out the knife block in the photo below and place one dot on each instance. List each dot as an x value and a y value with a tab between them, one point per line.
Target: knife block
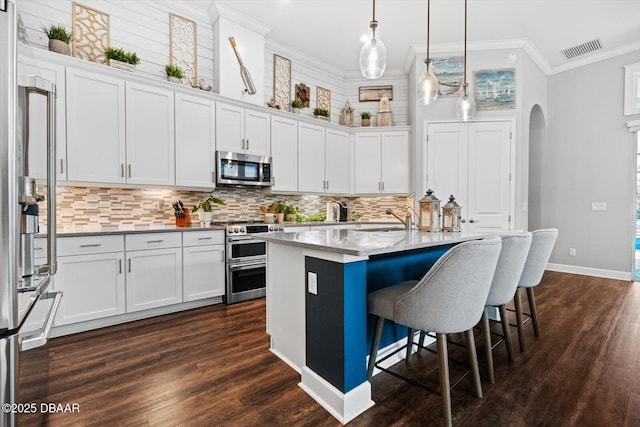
184	222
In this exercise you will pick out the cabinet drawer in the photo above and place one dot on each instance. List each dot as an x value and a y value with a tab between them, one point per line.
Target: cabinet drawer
88	245
201	238
143	241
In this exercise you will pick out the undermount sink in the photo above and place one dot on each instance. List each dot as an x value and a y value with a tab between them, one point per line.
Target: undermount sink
380	230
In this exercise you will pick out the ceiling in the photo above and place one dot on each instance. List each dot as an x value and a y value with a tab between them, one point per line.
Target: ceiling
330	30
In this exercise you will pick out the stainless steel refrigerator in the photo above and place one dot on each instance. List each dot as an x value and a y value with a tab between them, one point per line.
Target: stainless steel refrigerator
20	278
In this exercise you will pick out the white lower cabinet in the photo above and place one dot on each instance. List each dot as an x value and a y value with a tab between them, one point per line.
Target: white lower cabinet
203	265
154	278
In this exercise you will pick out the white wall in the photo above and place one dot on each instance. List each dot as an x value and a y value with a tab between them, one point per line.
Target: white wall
590	157
141	26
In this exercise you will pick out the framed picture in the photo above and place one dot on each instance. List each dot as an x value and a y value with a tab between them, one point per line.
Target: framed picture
323	98
450	73
281	81
183	48
303	93
374	93
495	89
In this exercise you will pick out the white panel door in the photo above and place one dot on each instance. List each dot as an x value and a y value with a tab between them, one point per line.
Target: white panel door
488	200
229	128
95	127
284	154
195	141
154	278
257	133
367	163
37	115
93	285
203	272
310	158
337	161
150	135
447	161
395	162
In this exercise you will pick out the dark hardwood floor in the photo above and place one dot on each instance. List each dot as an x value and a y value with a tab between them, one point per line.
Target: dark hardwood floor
212	367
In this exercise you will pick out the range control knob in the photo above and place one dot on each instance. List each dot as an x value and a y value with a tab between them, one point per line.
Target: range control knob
230	230
243	230
236	230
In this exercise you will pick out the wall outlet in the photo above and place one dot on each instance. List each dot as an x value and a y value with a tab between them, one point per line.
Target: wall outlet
600	206
161	205
572	251
312	283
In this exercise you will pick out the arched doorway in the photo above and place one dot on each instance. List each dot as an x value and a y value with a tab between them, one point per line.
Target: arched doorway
537	127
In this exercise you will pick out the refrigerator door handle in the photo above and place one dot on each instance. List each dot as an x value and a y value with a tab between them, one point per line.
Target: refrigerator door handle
41	337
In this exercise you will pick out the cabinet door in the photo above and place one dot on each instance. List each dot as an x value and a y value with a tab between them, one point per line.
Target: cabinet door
150	135
38	113
367	163
395	162
284	154
204	272
447	161
93	285
229	128
154	278
195	141
257	133
488	199
310	158
337	161
95	127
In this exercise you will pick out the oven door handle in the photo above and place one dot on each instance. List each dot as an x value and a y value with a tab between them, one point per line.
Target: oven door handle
40	337
247	266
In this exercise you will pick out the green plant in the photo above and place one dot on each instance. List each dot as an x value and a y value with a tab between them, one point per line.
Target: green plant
290	209
278	207
173	71
320	112
355	215
365	115
122	56
205	204
297	103
58	32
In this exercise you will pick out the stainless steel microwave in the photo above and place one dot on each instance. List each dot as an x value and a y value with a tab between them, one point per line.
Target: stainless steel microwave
243	169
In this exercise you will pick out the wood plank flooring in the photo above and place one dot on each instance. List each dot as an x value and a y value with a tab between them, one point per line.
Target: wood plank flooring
212	367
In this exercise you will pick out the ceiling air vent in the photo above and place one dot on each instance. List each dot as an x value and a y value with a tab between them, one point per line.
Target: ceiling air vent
582	49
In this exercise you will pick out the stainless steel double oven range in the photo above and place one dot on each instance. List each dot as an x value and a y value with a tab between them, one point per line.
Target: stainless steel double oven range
246	261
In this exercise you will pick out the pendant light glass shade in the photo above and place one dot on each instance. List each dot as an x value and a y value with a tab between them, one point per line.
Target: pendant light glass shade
466	106
373	55
427	85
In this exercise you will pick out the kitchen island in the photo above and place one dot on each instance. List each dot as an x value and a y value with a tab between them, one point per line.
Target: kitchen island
317	285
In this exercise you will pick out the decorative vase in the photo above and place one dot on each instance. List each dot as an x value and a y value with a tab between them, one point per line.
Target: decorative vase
58	46
174	79
121	65
295	110
366	122
290	217
279	218
205	217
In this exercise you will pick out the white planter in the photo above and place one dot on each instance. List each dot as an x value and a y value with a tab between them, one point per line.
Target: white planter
174	79
121	65
205	217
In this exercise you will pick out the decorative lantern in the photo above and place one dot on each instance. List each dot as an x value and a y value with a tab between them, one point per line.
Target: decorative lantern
451	215
346	117
429	212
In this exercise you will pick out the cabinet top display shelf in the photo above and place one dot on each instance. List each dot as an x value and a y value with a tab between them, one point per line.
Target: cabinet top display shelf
146	78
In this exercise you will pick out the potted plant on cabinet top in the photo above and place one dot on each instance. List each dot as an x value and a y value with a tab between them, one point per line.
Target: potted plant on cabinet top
118	58
174	73
296	105
59	39
321	113
205	215
366	118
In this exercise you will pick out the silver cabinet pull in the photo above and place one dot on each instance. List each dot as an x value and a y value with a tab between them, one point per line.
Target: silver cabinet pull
129	170
474	220
61	165
129	265
205	238
243	147
327	185
155	241
213	176
119	266
122	170
247	143
91	245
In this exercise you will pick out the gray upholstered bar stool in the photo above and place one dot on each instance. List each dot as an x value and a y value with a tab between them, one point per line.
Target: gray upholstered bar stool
542	244
515	248
449	298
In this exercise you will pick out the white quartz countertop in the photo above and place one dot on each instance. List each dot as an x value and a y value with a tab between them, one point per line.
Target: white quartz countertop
362	242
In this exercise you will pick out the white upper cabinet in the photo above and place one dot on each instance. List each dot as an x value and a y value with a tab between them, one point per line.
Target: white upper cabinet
337	162
382	162
95	127
195	141
242	130
38	113
311	158
284	154
150	135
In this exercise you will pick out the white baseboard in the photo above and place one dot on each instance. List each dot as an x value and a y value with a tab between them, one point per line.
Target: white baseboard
286	360
587	271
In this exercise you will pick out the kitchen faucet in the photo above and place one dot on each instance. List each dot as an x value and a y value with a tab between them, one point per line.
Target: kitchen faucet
407	221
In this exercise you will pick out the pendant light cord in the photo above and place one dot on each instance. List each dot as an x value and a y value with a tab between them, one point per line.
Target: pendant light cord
428	25
374	10
465	41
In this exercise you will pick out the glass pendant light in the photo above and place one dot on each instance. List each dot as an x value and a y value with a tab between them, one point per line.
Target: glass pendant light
373	54
466	106
427	83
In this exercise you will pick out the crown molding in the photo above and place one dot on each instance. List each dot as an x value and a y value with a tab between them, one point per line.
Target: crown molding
310	61
218	10
596	57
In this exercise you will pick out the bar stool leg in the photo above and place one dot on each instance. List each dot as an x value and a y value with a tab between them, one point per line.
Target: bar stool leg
409	343
443	370
534	311
375	342
506	331
519	320
473	361
486	335
423	334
